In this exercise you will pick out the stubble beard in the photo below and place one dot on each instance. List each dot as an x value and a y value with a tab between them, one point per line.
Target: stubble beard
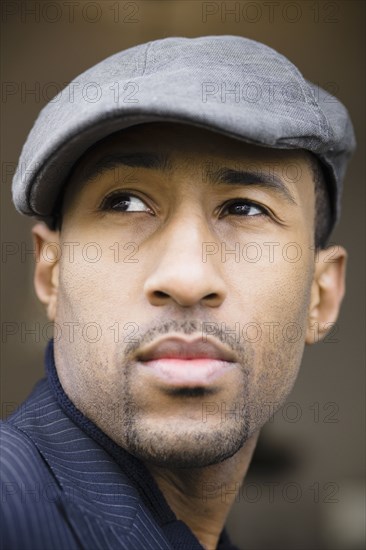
179	443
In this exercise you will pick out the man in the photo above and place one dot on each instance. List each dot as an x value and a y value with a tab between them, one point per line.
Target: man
186	190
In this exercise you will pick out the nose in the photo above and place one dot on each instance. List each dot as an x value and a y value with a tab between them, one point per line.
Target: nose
179	274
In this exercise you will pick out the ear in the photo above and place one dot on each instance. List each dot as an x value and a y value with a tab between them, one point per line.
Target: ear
327	292
46	275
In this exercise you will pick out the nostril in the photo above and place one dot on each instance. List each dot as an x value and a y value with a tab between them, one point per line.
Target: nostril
160	294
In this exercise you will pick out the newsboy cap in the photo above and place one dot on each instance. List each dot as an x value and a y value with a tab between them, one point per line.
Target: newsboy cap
228	84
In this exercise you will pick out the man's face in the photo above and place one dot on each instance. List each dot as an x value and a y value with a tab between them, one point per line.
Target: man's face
206	239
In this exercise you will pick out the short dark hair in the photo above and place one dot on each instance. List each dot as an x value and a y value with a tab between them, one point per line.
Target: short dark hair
323	212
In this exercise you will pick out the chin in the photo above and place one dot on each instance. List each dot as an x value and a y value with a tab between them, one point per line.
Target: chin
185	450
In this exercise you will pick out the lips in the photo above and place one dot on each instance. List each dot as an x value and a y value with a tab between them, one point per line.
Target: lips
182	362
182	348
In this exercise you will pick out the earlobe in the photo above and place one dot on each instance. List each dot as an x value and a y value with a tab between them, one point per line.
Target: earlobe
327	292
46	275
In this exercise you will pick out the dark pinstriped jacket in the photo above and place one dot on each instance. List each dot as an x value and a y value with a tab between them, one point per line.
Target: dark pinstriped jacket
65	485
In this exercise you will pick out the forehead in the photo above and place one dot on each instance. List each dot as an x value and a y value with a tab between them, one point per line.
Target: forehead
183	139
176	147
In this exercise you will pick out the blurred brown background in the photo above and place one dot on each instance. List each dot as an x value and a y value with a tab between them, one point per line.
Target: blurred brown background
305	487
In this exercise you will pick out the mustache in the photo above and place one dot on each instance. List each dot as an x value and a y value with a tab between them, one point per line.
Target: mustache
186	327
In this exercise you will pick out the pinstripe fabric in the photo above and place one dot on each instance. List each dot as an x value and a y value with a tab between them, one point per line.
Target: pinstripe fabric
65	485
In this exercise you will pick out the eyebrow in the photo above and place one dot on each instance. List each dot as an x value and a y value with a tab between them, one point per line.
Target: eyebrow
133	160
216	177
255	177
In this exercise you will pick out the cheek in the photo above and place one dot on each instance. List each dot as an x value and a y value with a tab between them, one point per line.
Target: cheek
276	285
98	279
271	301
96	309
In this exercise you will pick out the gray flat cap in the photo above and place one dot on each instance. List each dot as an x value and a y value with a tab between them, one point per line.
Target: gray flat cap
228	84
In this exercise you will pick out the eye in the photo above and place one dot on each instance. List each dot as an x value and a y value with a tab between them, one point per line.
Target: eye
124	202
243	207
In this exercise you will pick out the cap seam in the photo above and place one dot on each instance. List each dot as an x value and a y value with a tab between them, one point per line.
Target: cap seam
149	45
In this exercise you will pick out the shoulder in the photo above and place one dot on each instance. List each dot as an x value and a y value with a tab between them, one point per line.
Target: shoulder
21	462
11	436
19	458
30	496
23	474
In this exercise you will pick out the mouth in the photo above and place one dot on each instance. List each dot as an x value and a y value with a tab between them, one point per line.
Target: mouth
191	363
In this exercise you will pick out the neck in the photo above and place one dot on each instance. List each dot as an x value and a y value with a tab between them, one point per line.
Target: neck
202	497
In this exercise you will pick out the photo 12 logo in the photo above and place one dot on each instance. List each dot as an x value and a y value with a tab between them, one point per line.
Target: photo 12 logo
270	11
70	11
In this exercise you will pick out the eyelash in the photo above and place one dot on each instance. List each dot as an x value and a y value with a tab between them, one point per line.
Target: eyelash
107	204
246	203
121	196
